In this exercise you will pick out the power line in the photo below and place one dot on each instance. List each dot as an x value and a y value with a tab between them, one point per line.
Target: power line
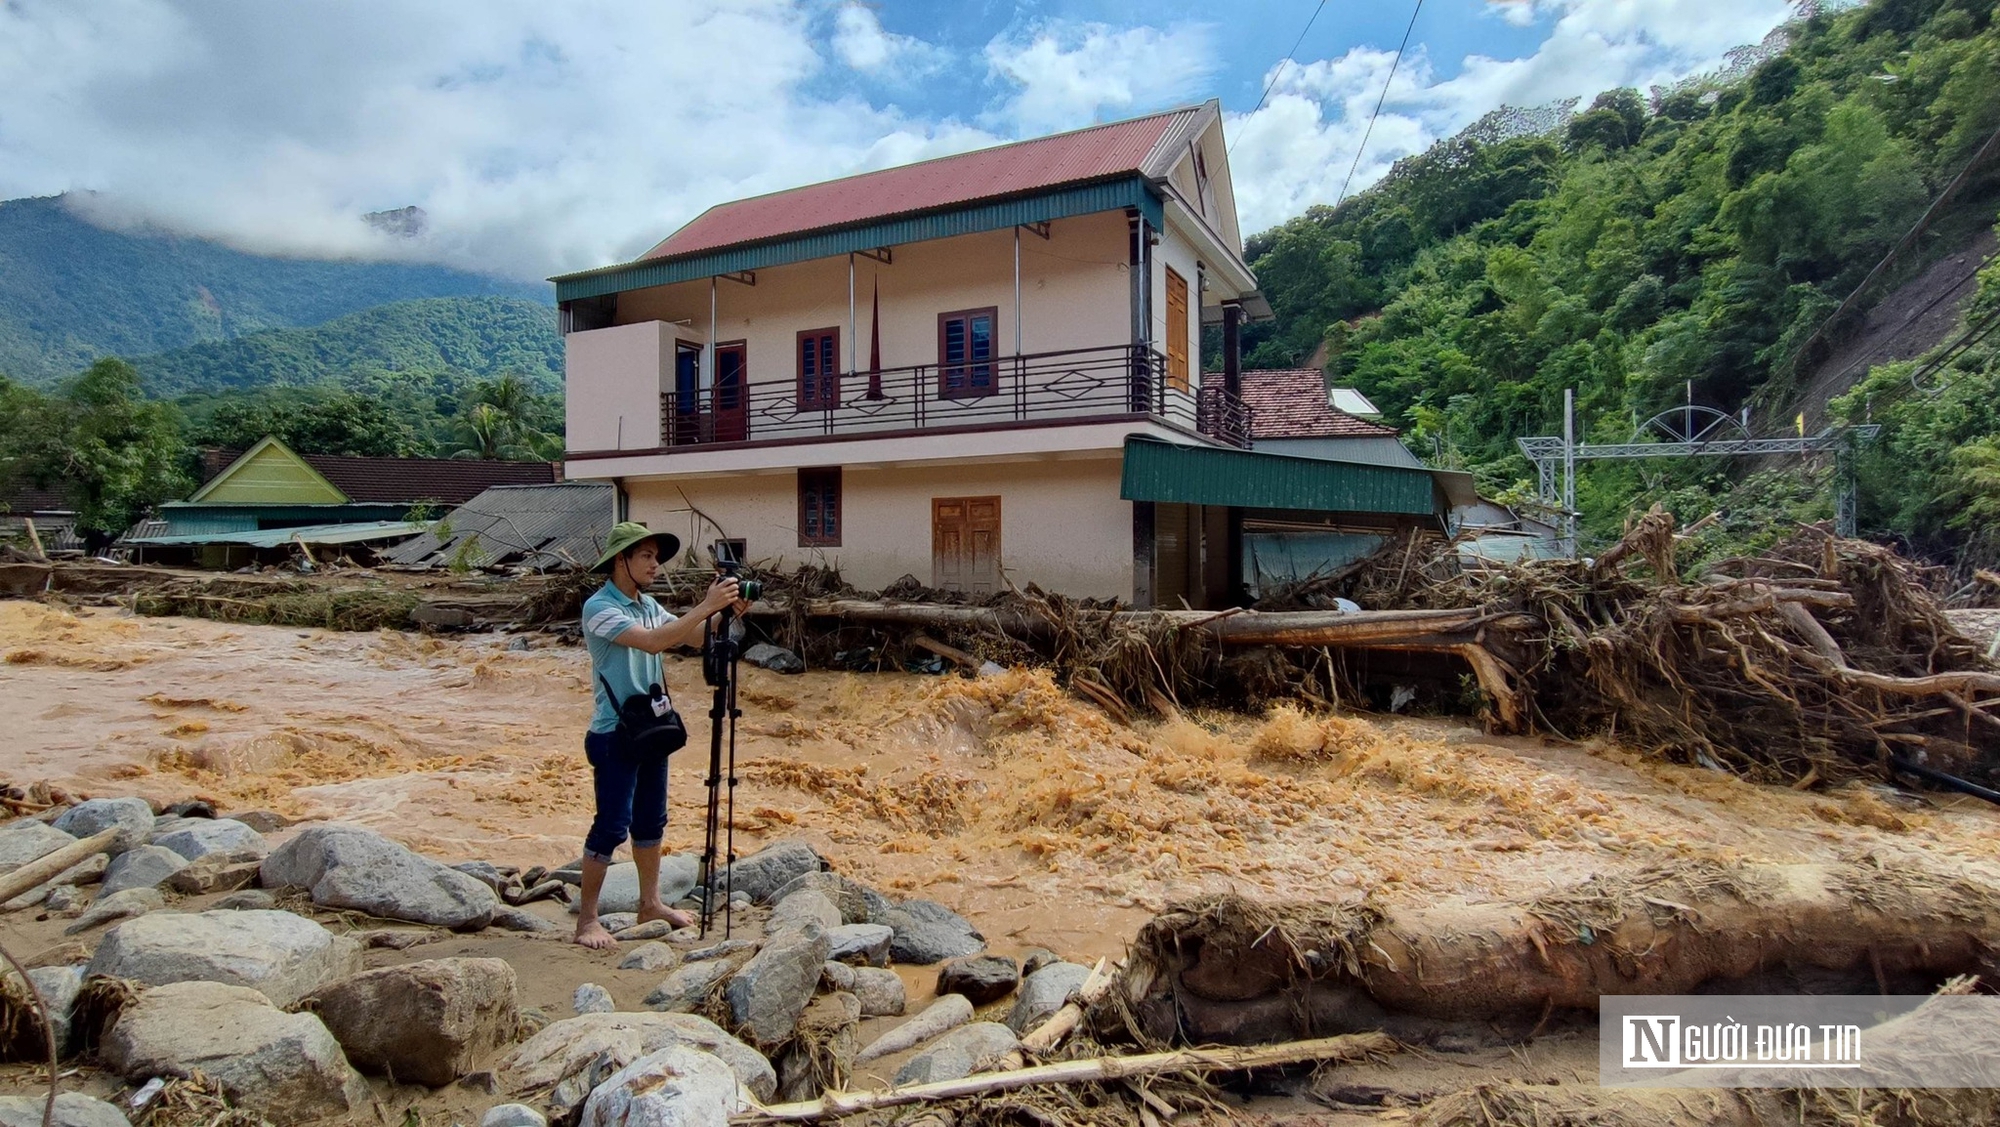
1281	62
1370	131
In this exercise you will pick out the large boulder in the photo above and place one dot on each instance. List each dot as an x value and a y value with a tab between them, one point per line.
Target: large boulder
928	932
847	894
132	816
1043	993
514	1115
763	873
196	838
983	978
862	944
59	988
143	866
279	954
823	1052
569	1046
675	1087
881	992
73	1109
688	986
218	872
350	867
766	996
26	841
285	1067
679	874
941	1016
117	906
803	907
959	1053
425	1023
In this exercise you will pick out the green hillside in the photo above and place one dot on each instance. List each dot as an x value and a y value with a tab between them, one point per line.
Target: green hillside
71	292
442	341
1700	238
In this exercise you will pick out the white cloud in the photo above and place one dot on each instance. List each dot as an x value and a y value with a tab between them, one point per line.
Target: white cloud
861	42
1297	150
537	137
1070	74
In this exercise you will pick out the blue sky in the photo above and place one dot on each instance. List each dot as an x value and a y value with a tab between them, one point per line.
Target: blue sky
541	138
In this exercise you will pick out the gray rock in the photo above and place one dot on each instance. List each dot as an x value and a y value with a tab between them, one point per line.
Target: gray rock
568	1047
615	922
62	898
1035	958
651	929
27	840
425	1023
760	875
132	816
847	894
513	1115
263	821
218	872
777	659
767	994
129	904
350	867
282	955
249	900
286	1067
142	866
687	987
928	932
59	987
983	978
198	837
803	907
836	976
720	950
590	998
73	1109
509	918
485	872
679	873
655	957
91	868
862	944
959	1053
1043	993
947	1013
823	1050
881	992
675	1087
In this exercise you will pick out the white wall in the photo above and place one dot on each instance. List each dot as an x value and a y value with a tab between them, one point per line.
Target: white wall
1062	523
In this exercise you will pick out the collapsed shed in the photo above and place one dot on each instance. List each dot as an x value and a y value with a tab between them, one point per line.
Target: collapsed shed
531	527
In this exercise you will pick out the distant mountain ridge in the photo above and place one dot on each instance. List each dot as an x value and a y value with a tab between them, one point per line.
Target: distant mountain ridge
72	292
451	338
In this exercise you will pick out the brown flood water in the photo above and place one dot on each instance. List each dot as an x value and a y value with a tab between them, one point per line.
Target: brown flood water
1005	798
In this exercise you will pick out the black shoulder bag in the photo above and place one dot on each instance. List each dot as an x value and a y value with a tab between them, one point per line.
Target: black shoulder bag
647	722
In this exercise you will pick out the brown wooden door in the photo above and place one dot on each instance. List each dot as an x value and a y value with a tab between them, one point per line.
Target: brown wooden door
1177	331
965	544
732	407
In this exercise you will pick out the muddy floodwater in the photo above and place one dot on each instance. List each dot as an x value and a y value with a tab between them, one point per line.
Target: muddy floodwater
1025	809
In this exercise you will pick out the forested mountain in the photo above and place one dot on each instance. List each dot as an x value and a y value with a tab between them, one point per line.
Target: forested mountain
440	340
71	292
1698	237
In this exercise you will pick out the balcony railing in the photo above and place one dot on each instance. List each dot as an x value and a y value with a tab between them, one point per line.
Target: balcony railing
1125	380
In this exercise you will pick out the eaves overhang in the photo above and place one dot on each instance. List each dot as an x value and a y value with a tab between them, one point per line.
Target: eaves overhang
1114	194
1202	475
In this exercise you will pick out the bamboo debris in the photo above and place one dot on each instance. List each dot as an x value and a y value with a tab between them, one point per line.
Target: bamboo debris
1099	1070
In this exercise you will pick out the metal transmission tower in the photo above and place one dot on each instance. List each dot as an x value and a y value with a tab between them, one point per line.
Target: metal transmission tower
1689	431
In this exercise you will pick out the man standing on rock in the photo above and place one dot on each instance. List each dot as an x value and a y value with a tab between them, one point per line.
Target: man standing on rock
626	631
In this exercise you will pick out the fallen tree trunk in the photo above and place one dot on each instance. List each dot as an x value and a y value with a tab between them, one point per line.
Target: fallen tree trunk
1097	1070
16	881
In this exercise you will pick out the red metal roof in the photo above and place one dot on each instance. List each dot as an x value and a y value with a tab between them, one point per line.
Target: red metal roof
1291	403
1023	166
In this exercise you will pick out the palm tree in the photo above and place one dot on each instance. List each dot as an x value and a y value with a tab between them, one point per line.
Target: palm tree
497	422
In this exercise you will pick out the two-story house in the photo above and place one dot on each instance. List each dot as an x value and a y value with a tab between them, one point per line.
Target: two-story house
982	364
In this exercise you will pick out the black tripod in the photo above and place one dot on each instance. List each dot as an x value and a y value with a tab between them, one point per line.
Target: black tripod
719	655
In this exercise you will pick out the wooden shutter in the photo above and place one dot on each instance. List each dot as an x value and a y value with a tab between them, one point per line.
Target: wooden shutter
1177	331
819	369
965	353
819	507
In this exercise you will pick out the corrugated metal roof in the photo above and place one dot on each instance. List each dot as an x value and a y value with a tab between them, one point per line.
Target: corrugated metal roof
1202	475
279	537
995	215
1095	153
1292	403
536	526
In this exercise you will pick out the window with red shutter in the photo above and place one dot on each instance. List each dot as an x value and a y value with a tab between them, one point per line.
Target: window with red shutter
819	369
819	507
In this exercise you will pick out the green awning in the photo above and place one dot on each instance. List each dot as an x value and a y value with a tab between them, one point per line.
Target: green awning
1206	475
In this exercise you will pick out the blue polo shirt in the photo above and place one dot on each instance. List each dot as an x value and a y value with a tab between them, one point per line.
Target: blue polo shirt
631	672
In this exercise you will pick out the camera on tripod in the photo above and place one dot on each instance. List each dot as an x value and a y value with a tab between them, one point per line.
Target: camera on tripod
747	588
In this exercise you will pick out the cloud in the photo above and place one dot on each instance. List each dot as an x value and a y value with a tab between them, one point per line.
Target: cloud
1296	151
860	41
1068	74
538	138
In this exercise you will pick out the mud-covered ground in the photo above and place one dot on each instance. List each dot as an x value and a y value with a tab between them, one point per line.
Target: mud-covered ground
1023	808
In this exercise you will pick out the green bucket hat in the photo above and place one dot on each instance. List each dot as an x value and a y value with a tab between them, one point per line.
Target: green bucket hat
629	533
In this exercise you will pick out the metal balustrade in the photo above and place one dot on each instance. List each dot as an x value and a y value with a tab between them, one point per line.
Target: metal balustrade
1011	390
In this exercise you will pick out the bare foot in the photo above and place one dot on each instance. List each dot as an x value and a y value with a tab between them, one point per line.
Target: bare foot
658	911
591	934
